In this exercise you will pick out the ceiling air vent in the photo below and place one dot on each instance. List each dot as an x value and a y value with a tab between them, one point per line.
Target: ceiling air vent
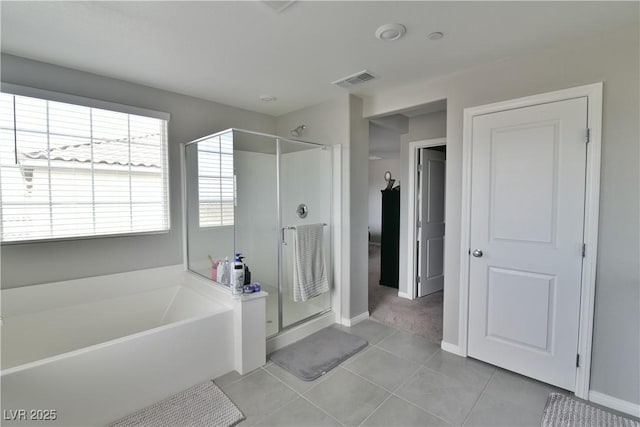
354	79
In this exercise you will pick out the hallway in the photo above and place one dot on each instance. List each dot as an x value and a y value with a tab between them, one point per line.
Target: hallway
421	316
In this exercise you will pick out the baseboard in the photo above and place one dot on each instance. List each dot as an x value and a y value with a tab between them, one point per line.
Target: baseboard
615	403
355	320
404	295
450	348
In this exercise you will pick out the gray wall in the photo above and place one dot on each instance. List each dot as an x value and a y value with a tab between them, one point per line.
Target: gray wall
327	122
377	168
384	142
340	121
610	57
191	118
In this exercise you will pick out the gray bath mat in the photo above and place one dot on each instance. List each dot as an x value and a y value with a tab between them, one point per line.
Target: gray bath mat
563	411
201	405
318	353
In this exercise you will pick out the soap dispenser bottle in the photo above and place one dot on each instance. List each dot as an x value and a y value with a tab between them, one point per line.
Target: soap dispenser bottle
237	276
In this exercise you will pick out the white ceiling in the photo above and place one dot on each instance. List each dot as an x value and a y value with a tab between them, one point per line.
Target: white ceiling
232	52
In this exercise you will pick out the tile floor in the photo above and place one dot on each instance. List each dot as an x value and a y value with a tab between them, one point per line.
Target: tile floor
400	379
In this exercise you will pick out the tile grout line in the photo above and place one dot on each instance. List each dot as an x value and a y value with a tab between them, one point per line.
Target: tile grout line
375	409
479	396
403	383
367	380
424	410
370	382
412	332
357	355
404	358
277	408
322	410
396	355
444	374
303	396
413	404
430	357
242	377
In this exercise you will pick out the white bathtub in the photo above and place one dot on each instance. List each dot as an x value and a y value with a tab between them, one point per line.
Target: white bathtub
96	349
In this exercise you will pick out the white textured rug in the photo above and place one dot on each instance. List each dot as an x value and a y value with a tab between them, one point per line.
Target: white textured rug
564	411
201	405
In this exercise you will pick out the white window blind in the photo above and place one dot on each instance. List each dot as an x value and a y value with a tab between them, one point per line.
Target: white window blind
216	194
71	170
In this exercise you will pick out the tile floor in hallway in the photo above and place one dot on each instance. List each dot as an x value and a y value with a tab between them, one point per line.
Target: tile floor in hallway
400	379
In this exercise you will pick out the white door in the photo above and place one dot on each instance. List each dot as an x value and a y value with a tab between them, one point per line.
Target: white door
527	214
431	221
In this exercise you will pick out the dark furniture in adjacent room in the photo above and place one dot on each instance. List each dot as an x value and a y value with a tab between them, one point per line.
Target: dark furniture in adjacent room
390	249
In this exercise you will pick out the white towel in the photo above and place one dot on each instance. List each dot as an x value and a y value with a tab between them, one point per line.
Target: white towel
309	272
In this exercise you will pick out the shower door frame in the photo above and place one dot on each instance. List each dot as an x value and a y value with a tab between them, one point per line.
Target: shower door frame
281	242
332	271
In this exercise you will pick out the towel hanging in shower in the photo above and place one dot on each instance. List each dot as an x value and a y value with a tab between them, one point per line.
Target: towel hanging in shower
309	272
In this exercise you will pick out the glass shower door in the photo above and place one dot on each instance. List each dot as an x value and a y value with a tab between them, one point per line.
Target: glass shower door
305	184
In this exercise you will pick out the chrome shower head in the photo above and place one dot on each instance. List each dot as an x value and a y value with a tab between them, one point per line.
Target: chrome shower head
299	130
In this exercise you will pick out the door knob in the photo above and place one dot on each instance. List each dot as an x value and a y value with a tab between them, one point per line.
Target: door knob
477	253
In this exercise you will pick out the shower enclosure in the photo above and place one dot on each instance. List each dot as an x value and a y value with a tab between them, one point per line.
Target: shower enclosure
245	193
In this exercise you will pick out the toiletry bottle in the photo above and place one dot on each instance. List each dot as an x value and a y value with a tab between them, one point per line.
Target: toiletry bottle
220	272
214	268
247	272
226	279
247	275
238	274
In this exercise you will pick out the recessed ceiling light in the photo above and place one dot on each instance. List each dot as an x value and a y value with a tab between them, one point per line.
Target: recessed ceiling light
267	98
436	35
390	32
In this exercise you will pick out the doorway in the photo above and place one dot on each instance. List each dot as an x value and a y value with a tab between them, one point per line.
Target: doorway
392	294
430	224
426	213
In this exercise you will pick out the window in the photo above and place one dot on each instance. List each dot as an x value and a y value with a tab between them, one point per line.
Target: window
216	194
69	170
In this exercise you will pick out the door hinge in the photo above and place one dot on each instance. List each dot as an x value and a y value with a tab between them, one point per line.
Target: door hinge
587	135
418	224
577	360
418	279
419	168
584	250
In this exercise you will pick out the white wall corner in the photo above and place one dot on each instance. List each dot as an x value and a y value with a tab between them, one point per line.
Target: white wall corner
615	403
349	322
451	348
405	295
